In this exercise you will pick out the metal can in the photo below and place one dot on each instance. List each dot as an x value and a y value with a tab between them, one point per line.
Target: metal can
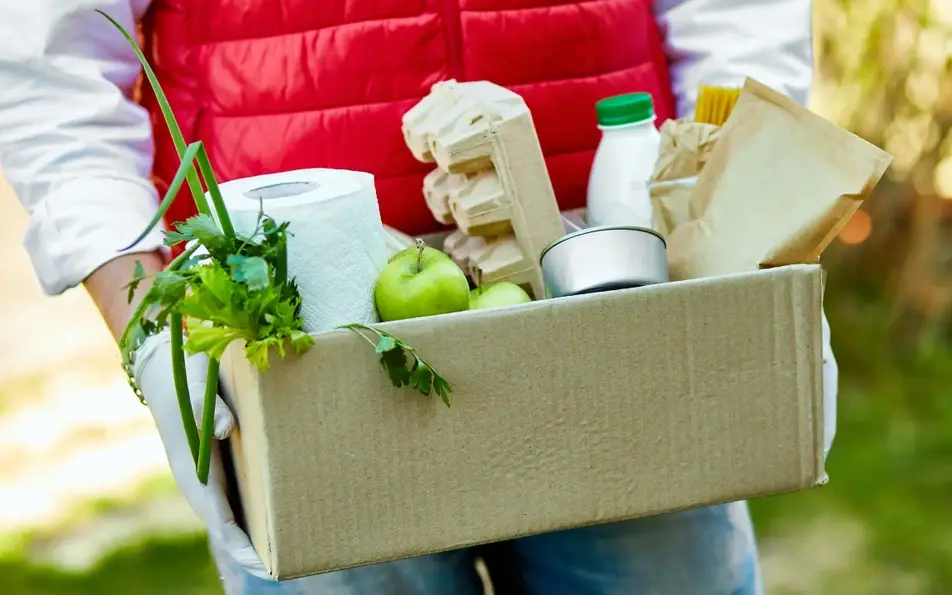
604	258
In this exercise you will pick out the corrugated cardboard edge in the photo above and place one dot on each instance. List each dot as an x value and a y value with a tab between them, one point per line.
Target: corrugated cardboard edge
251	468
819	475
811	435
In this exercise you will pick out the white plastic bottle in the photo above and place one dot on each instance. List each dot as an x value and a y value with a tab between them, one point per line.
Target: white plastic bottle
625	159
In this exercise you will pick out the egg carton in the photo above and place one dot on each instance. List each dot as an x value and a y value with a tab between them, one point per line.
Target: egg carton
490	180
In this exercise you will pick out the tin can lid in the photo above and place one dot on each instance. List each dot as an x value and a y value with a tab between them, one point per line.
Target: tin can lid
596	229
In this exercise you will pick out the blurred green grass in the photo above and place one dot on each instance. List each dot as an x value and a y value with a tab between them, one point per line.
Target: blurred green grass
891	463
890	470
180	566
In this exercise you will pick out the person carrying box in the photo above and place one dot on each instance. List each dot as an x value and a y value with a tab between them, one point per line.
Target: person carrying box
281	85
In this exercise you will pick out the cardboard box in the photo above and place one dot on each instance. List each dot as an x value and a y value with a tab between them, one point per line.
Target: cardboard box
567	412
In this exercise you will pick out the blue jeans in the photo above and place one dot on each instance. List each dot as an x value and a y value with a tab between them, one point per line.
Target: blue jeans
706	551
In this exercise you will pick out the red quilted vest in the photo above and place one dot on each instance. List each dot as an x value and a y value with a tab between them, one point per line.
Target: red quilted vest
285	84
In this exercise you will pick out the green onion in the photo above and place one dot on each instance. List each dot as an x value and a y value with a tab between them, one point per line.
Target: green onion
199	446
208	420
181	386
209	175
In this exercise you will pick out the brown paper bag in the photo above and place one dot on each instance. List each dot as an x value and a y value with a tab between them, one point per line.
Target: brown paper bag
670	203
685	147
779	185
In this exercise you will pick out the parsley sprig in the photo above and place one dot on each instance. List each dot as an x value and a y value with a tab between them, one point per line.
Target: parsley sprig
403	364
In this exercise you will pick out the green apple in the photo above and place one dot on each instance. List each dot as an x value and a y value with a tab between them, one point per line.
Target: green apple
414	250
421	282
496	295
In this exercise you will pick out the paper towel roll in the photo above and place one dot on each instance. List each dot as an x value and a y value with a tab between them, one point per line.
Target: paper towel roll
336	245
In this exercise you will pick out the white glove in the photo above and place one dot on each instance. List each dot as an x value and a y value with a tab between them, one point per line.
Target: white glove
153	373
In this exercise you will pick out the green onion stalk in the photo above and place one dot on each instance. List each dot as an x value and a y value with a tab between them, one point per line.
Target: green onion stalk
201	448
401	362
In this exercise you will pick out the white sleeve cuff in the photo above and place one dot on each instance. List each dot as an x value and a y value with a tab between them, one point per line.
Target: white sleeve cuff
84	224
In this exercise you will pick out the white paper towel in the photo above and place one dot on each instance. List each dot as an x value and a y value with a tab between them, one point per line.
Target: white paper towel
336	245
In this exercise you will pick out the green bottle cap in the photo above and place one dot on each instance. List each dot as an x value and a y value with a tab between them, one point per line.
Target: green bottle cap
624	109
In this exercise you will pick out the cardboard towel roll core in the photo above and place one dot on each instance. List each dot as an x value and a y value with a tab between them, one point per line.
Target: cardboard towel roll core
336	245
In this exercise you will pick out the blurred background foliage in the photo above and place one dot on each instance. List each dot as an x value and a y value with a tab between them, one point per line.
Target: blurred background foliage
882	526
884	71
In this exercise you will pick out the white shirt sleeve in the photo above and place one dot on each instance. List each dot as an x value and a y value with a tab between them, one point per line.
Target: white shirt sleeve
720	42
75	148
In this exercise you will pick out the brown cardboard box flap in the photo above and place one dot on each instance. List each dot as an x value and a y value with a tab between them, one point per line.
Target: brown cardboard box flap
567	412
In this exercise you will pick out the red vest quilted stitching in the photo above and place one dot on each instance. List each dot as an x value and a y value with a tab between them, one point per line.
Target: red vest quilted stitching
287	84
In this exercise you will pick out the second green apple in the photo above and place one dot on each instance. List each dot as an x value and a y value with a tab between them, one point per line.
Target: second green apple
497	295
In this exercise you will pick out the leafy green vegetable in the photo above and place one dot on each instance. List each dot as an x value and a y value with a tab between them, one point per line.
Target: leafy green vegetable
238	291
396	356
138	276
252	270
200	228
230	296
